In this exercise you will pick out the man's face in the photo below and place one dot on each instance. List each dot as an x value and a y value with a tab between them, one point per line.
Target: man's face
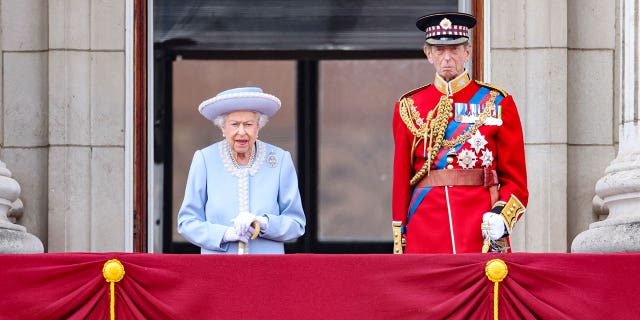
448	60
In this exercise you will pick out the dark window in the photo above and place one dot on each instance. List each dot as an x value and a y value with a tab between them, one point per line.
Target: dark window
338	68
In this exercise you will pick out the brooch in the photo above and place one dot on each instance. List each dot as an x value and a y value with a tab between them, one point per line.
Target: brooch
273	162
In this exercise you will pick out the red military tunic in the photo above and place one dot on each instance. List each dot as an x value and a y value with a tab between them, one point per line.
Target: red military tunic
447	219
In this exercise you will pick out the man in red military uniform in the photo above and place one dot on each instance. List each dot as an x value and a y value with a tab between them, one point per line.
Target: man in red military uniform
459	160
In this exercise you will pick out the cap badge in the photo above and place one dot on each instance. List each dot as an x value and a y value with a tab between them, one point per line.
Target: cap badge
445	23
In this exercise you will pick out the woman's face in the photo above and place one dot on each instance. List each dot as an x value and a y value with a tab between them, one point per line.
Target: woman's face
241	130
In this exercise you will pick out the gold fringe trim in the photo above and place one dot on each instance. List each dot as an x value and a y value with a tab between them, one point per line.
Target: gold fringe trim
113	271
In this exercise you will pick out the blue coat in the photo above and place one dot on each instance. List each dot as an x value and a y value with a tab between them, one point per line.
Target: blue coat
213	196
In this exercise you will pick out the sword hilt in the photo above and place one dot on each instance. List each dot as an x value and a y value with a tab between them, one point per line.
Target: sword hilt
398	241
486	245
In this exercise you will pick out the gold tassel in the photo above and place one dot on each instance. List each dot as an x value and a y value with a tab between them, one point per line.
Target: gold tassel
496	270
113	271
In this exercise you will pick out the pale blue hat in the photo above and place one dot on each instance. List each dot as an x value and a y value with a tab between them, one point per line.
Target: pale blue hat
240	99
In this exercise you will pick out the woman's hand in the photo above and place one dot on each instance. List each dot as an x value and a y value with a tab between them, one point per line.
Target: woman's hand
231	235
243	221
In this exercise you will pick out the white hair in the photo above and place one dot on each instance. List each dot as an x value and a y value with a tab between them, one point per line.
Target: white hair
262	119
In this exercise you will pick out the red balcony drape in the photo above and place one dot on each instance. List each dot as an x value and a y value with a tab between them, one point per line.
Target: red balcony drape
308	286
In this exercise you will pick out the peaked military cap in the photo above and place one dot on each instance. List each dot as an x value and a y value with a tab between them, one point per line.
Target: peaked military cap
446	28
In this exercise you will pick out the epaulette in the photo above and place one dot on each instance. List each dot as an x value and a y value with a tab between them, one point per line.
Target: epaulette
490	86
413	91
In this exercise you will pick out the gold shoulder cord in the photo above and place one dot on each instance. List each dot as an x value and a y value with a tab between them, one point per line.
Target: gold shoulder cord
491	86
433	130
409	113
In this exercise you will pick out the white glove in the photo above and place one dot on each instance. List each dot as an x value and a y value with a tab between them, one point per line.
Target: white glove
243	221
264	222
231	235
497	229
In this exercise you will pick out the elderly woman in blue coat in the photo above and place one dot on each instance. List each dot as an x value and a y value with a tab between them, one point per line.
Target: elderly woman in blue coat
240	185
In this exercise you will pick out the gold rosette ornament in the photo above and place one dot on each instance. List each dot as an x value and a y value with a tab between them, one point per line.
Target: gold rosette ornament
496	270
113	271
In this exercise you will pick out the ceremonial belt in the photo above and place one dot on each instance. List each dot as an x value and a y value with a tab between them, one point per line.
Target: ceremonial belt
463	177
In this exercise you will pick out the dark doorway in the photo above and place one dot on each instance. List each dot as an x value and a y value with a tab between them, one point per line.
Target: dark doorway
340	66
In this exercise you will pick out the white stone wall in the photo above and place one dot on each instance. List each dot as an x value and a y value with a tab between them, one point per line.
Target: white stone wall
593	125
63	118
62	113
619	188
556	59
531	36
25	109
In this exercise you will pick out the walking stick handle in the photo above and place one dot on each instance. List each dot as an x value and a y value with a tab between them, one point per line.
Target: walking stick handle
243	247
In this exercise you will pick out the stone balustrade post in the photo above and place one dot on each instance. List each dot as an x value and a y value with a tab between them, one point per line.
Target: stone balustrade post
13	237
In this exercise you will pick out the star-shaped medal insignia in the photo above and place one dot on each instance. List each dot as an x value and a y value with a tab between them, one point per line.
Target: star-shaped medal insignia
467	159
477	141
487	158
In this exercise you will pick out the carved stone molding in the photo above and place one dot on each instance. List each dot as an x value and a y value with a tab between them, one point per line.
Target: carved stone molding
14	238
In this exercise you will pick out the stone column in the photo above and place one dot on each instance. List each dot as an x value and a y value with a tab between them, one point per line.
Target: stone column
13	237
529	60
87	112
619	189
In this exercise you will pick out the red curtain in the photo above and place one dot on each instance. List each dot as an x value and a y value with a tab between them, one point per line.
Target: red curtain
307	286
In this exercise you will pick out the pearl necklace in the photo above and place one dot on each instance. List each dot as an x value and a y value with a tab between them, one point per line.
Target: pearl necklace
251	156
242	173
